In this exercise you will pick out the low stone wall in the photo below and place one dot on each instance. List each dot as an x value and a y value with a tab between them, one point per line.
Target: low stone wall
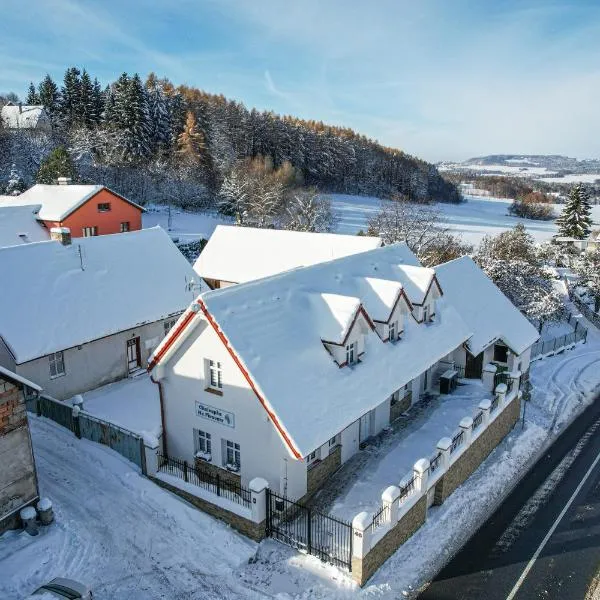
364	568
467	463
400	407
255	531
321	471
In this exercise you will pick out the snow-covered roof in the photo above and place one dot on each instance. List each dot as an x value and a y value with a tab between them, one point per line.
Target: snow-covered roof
55	297
240	254
18	225
14	377
275	326
56	201
486	310
23	117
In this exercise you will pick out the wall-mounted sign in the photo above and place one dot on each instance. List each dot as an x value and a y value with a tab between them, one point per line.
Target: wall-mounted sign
216	415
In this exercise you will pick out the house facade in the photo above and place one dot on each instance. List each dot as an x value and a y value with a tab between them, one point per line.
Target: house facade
18	478
240	254
77	314
87	210
18	116
285	378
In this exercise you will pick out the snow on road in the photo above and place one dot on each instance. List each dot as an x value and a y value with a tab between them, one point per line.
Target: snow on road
117	531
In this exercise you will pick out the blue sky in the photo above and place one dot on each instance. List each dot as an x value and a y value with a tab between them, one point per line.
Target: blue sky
442	79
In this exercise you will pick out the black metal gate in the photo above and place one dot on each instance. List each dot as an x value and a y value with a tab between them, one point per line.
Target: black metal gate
326	537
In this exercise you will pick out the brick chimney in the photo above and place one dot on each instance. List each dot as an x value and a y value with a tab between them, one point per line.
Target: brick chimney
64	180
61	234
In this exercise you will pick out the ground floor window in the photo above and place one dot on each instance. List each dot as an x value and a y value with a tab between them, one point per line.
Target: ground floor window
311	458
203	443
232	456
125	226
90	231
57	364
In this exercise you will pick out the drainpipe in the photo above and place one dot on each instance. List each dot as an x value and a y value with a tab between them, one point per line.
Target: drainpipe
162	416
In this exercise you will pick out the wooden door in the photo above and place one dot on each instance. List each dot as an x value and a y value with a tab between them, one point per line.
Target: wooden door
474	366
133	354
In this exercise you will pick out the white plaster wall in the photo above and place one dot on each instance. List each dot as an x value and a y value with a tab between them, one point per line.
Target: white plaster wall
382	416
6	359
93	364
263	453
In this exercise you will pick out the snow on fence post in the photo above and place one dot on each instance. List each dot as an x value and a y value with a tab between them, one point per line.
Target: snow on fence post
151	457
489	372
421	473
389	500
484	407
361	534
516	380
444	446
466	426
258	499
501	395
76	427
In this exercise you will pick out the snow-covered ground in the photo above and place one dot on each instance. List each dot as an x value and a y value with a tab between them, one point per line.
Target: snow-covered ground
575	178
187	226
555	329
117	531
418	440
129	403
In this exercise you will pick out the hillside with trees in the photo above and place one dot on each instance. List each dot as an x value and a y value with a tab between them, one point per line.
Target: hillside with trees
154	142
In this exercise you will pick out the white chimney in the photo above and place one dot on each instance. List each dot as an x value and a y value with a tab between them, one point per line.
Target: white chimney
20	107
61	234
64	180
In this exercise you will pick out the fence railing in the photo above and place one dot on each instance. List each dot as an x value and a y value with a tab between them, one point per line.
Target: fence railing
457	440
435	462
407	488
542	348
586	311
477	420
494	404
381	517
211	482
504	377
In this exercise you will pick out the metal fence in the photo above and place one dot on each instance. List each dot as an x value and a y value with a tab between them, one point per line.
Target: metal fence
381	517
457	440
477	420
125	442
326	537
494	404
55	410
505	378
561	342
586	311
211	482
407	488
435	462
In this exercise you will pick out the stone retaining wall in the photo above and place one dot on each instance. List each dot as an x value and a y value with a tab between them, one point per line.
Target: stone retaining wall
224	475
255	531
321	471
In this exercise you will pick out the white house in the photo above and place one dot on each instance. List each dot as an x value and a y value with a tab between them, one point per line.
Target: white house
19	225
17	116
240	254
76	314
283	378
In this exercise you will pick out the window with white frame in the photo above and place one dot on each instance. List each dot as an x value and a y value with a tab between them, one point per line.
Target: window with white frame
168	325
57	365
425	314
351	353
203	444
393	333
334	442
231	456
215	375
311	458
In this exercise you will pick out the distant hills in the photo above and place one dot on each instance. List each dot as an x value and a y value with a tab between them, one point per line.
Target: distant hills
562	165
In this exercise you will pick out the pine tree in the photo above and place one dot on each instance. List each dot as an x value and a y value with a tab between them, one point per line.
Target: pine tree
575	220
70	97
160	116
97	103
85	109
15	185
49	95
57	164
32	97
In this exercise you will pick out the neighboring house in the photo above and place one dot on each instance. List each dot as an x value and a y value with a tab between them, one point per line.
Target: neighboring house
594	240
285	377
239	254
17	116
87	210
18	479
74	316
19	225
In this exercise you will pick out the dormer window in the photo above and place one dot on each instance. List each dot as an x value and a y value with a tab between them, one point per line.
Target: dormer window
351	353
393	331
426	314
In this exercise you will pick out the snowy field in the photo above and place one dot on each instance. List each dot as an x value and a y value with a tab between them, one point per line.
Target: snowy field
187	226
129	403
418	440
576	178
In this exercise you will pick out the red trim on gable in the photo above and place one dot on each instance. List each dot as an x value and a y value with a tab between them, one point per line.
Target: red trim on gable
362	311
439	287
171	340
249	380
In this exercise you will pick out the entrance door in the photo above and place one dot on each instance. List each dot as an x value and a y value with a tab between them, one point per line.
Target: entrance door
364	433
425	380
133	354
474	366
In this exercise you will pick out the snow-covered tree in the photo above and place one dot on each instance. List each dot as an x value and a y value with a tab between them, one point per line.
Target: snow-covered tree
306	210
575	220
32	96
159	115
15	185
235	194
49	95
57	164
588	269
70	97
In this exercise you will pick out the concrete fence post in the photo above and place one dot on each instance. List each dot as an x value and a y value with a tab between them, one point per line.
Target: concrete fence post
485	407
421	473
516	380
487	376
444	446
361	534
501	393
389	500
76	426
466	425
151	457
258	498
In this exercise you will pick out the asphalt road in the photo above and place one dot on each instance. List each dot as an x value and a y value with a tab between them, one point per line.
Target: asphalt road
544	540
